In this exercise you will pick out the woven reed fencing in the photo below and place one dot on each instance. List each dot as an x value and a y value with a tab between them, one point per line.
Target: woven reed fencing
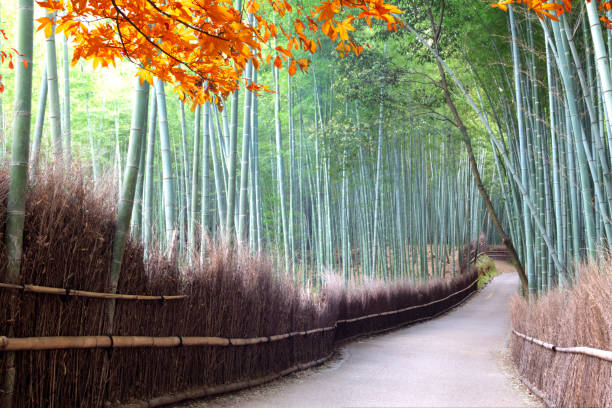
131	356
562	341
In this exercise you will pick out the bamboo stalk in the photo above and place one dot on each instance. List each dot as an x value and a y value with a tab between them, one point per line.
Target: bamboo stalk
83	293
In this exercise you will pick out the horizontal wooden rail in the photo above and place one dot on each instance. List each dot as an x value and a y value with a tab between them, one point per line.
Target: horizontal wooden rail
83	293
355	319
109	341
90	342
587	351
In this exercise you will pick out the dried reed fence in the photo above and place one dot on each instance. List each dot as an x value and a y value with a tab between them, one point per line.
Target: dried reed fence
548	331
68	243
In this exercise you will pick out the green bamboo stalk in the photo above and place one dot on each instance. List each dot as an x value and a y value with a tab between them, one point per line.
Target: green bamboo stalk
147	216
280	169
18	178
169	193
195	179
126	203
67	131
38	127
244	167
54	100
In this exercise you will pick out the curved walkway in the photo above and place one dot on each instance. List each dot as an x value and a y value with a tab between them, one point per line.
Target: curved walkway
456	360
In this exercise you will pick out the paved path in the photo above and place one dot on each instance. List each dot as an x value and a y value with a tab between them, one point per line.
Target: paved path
456	360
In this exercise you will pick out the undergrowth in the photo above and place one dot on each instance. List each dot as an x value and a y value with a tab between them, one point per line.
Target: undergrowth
486	270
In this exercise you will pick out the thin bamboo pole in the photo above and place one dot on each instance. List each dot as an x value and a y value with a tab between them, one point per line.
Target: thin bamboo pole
84	293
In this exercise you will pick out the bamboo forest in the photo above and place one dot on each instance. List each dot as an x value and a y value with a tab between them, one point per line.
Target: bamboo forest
214	203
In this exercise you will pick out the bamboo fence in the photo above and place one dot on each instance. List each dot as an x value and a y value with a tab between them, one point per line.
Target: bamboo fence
587	351
405	309
202	392
109	341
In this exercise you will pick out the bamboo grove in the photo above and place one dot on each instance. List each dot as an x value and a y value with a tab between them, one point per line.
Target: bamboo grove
558	151
322	182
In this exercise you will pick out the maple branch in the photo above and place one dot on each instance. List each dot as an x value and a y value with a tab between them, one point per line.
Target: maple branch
119	11
199	30
122	42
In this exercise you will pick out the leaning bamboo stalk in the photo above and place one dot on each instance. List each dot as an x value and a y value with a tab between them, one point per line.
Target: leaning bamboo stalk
587	351
83	293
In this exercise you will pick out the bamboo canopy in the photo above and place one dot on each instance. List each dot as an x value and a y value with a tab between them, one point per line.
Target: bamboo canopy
83	293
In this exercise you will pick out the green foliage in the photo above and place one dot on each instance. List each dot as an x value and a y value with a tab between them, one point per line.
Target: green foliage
486	270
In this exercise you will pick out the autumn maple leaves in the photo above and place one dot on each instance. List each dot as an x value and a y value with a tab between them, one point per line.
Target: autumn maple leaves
202	47
6	56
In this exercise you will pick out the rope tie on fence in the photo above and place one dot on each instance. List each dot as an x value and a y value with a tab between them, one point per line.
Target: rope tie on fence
180	341
162	300
64	297
109	349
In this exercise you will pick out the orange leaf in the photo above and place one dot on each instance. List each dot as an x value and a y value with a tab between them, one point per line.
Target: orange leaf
292	68
277	62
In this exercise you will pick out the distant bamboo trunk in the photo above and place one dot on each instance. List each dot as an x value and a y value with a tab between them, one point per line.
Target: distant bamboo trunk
195	178
92	144
54	101
38	127
280	168
67	131
244	167
148	197
205	207
169	193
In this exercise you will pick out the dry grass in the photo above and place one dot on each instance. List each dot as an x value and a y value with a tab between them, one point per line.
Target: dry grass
68	243
580	316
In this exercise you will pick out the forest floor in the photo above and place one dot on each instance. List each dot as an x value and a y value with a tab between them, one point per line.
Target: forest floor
458	360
